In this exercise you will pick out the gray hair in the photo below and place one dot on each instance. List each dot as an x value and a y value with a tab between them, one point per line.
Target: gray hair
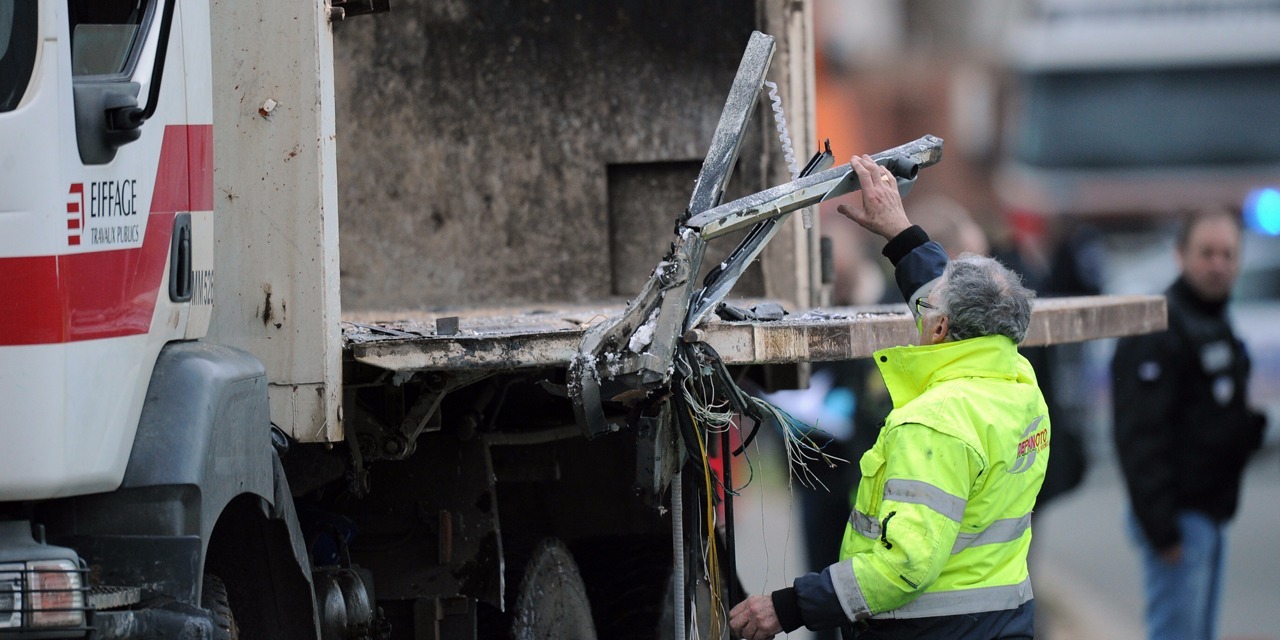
982	297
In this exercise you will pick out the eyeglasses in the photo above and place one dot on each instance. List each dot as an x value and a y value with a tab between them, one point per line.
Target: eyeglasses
922	304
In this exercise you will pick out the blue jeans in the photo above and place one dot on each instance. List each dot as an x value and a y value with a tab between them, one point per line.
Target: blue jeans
1183	598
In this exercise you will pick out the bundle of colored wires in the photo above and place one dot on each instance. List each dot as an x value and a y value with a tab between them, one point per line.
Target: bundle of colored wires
714	403
800	448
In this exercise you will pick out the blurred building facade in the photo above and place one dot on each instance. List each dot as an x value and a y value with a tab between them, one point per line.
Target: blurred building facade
1053	108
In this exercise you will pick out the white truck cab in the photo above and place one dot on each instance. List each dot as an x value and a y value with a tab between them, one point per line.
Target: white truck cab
106	171
96	290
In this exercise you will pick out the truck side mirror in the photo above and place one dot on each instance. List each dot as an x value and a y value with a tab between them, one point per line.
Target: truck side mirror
97	135
107	112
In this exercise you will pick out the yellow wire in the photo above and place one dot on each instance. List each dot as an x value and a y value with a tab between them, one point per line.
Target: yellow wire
713	569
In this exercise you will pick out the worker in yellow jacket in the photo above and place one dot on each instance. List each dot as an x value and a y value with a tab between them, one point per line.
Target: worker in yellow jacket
936	546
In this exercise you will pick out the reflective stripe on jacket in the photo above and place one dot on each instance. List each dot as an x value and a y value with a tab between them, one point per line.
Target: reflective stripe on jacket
942	519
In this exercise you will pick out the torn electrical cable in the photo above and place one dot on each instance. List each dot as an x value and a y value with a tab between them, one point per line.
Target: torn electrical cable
713	401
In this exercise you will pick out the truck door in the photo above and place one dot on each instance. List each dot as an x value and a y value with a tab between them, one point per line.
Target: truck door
100	227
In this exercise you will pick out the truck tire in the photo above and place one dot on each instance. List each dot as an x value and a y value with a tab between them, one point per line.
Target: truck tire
551	603
629	578
214	599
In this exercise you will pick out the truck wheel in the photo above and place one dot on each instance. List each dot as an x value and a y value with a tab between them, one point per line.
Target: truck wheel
552	600
629	578
214	599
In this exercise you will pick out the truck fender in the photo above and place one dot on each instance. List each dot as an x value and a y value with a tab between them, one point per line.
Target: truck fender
206	422
202	455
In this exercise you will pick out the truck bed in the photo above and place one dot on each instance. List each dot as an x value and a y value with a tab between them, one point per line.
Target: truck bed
497	339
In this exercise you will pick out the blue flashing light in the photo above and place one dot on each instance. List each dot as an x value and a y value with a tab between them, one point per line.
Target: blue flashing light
1262	211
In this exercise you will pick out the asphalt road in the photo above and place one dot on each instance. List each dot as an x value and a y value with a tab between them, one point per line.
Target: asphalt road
1084	566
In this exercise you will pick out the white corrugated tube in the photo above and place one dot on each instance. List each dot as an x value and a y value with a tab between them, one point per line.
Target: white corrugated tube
788	152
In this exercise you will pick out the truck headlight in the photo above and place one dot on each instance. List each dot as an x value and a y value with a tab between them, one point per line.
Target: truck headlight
56	593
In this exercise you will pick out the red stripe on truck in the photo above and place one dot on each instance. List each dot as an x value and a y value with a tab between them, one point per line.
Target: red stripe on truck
31	297
185	186
109	294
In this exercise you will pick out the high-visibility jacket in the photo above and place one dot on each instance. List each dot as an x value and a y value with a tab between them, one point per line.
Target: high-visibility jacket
942	520
939	535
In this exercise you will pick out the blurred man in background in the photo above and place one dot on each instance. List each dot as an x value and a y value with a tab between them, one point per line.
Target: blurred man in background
1184	431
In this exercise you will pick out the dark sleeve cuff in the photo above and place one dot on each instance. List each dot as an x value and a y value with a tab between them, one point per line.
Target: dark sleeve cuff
1165	538
904	243
787	607
818	601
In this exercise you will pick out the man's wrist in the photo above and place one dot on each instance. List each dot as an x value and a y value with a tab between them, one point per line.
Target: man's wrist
904	243
894	230
786	605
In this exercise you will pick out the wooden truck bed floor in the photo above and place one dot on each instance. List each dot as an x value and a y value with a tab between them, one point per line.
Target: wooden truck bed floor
548	335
